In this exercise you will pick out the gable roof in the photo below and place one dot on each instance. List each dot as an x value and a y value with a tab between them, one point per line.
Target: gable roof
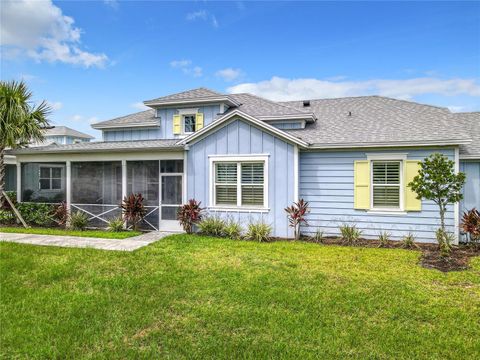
378	121
139	119
197	96
471	121
66	131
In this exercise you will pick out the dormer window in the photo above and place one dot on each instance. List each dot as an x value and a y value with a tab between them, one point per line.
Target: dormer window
189	122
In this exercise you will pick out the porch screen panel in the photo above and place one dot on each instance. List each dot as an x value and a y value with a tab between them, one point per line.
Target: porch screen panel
143	178
97	190
43	182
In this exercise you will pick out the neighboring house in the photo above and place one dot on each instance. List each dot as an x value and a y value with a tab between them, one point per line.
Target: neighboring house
60	135
247	158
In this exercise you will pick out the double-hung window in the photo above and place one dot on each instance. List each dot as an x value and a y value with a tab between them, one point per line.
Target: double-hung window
50	178
239	184
189	123
386	184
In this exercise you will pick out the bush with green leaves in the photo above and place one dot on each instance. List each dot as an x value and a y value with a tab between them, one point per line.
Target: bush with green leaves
408	241
78	220
6	217
317	236
116	224
232	230
212	226
350	233
36	213
383	238
258	232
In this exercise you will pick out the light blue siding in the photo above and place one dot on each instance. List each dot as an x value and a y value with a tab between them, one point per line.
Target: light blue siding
288	125
165	130
471	190
326	182
239	137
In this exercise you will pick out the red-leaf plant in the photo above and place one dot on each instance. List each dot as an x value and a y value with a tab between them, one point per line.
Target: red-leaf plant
471	225
61	214
189	214
296	216
133	209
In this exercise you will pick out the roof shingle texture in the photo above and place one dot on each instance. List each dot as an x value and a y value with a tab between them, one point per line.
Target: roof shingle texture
138	145
471	121
131	119
257	106
375	119
188	95
66	131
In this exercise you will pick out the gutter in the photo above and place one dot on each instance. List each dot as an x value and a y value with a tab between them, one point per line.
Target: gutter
452	142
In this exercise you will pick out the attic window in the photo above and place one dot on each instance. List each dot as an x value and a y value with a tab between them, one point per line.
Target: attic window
306	103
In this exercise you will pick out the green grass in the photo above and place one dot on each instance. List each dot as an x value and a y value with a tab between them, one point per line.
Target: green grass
85	233
199	297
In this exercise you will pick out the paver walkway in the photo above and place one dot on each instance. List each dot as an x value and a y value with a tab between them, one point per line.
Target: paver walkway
128	244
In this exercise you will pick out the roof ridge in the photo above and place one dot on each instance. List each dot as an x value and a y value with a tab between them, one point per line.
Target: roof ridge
273	102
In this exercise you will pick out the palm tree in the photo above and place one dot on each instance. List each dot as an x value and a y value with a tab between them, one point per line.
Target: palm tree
20	121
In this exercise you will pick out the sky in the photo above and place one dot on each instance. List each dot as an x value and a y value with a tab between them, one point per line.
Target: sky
96	60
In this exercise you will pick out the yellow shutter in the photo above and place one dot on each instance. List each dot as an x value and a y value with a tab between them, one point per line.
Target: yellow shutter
198	121
177	124
411	201
361	184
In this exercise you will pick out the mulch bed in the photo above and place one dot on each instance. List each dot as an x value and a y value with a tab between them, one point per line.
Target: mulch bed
430	259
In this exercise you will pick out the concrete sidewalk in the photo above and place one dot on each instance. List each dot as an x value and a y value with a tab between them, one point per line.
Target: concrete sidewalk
128	244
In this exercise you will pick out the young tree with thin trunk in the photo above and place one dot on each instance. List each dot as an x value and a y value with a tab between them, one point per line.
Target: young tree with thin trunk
20	121
438	181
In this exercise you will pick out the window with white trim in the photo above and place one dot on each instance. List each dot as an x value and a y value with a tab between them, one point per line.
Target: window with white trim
50	178
189	123
239	183
386	184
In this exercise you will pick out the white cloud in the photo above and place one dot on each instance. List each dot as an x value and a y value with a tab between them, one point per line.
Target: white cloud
112	3
229	74
139	106
187	67
202	15
282	89
56	105
77	118
38	29
84	119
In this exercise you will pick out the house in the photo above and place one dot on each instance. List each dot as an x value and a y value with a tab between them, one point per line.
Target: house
60	135
247	158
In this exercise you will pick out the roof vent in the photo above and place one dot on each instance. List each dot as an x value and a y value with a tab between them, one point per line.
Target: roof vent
349	113
306	103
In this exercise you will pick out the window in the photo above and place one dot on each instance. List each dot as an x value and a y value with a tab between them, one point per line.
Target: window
386	184
50	178
239	183
189	123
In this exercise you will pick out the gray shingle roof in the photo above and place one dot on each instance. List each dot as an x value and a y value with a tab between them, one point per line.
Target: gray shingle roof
187	95
375	119
66	131
471	121
135	119
138	145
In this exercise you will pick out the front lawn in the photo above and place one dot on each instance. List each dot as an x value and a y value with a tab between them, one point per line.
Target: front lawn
198	297
85	233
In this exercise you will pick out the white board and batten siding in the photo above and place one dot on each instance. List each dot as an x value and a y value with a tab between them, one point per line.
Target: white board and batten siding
327	183
241	138
164	131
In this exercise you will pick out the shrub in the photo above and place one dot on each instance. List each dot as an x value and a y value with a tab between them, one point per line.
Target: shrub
189	214
258	232
60	214
408	241
471	225
318	236
383	238
133	209
444	239
6	217
12	195
116	224
212	226
296	216
78	220
232	230
36	213
350	233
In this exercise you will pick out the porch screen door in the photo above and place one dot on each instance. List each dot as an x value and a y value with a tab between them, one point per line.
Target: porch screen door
171	183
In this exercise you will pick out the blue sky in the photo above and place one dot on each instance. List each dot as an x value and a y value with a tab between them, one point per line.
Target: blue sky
97	60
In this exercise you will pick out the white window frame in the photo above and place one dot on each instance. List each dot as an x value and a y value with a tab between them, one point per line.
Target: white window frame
188	112
50	178
238	159
401	158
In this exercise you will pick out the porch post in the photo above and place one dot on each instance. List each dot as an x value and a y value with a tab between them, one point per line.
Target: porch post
456	206
68	185
19	181
124	185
